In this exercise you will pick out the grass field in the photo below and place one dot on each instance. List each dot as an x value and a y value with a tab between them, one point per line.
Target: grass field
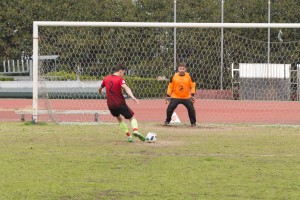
48	161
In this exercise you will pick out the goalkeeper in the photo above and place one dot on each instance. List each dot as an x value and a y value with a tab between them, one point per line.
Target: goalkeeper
181	90
114	84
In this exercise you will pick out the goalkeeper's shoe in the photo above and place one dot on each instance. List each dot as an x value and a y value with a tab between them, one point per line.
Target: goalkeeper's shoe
129	139
136	134
166	123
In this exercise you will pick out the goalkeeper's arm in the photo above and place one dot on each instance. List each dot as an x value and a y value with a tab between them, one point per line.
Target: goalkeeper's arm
193	89
167	98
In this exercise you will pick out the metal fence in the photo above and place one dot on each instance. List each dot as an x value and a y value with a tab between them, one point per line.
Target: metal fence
15	68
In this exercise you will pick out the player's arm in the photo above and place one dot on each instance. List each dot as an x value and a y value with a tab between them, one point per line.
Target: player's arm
129	92
169	90
170	87
100	89
193	88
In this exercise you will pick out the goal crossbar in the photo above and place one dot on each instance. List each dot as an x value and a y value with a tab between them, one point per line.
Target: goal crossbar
168	24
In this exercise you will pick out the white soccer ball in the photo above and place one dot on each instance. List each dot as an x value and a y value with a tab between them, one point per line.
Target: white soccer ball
151	137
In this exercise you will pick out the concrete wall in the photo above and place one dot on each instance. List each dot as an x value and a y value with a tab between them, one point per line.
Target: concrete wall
23	89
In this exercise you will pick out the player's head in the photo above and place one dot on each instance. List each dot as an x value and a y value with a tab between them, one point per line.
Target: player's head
182	68
120	68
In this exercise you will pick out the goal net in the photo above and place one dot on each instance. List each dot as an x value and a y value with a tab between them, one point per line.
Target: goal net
242	76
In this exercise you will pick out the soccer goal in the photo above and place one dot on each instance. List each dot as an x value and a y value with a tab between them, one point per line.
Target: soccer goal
243	74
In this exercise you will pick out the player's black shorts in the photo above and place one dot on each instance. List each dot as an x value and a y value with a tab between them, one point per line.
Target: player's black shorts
124	110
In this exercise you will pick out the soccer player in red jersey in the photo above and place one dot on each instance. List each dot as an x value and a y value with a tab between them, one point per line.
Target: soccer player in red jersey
114	83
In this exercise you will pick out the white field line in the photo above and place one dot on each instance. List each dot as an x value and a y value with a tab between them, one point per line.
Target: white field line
180	155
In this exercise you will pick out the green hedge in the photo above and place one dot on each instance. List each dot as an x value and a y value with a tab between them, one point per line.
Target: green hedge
6	79
63	75
147	87
141	87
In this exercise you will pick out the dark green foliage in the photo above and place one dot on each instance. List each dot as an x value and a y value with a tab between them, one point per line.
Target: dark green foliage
104	48
17	16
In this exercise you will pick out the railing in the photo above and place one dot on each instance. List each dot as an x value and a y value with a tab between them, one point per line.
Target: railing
18	67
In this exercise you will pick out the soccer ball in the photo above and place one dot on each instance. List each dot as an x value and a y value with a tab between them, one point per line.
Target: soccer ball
151	137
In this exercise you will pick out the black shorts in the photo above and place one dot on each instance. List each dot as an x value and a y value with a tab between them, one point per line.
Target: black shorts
124	110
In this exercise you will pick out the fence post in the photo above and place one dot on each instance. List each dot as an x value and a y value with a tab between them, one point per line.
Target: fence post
4	67
8	66
29	66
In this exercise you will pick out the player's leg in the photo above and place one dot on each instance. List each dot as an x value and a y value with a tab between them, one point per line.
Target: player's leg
191	110
134	126
128	114
122	124
170	109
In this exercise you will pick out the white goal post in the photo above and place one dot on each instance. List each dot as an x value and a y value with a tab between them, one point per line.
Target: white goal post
38	24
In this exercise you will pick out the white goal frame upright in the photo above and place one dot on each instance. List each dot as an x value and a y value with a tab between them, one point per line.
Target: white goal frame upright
37	24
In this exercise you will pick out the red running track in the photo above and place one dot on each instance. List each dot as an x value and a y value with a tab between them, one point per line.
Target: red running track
208	111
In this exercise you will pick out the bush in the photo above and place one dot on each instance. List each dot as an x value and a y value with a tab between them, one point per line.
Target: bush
147	87
63	75
141	87
6	79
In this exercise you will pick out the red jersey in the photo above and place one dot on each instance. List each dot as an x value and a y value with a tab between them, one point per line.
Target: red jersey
114	95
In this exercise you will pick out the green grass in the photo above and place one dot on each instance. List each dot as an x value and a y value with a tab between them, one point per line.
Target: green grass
49	161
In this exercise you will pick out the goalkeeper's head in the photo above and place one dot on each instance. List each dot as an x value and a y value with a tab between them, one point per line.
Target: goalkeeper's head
182	68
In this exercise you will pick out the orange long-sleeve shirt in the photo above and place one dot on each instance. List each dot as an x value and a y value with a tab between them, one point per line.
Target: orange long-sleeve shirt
181	86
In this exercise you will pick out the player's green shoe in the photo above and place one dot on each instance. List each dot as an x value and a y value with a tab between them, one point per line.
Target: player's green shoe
129	139
136	134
